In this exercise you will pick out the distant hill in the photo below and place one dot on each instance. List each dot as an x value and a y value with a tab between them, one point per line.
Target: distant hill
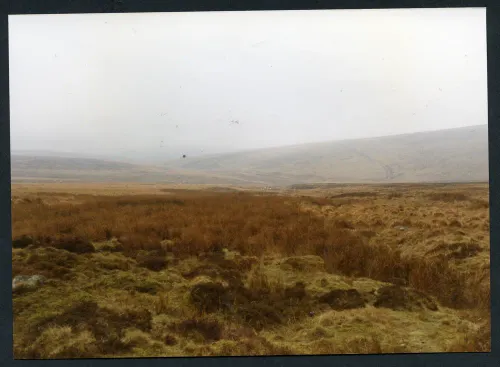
65	163
49	168
453	155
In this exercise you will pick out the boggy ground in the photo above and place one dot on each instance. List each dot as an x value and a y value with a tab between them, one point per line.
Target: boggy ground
157	271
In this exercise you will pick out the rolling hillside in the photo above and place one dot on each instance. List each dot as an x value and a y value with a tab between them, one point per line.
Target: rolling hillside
453	155
439	156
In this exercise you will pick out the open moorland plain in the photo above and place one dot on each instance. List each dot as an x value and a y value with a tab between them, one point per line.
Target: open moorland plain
137	270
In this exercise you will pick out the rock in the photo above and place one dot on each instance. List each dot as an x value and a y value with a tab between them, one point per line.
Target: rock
23	282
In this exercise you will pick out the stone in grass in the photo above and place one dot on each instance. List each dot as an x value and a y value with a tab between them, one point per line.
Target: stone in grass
22	283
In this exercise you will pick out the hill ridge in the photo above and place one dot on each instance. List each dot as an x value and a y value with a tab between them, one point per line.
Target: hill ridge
451	155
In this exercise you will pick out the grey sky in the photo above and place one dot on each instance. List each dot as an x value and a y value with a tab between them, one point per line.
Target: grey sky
120	84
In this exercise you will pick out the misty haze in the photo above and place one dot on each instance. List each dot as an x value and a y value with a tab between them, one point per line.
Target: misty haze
249	183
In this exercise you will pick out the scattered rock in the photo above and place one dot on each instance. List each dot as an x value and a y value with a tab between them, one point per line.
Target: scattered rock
342	299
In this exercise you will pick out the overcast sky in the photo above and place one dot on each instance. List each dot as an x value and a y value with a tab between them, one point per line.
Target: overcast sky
170	83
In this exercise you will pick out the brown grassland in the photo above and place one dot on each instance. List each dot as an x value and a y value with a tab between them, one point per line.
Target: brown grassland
151	270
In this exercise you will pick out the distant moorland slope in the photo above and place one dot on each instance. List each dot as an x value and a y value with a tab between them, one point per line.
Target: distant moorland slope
452	155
